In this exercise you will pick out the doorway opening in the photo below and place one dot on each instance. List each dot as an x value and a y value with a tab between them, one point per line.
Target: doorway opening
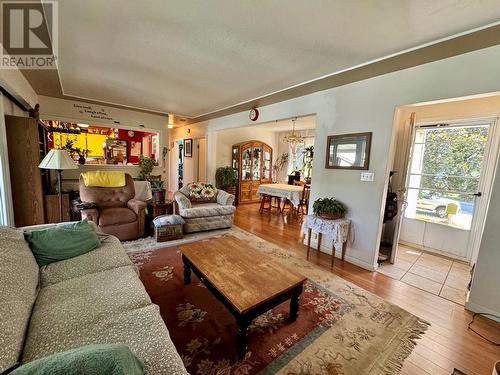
201	155
445	160
272	162
443	188
180	164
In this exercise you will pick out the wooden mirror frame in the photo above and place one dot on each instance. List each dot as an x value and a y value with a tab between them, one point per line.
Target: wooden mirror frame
330	138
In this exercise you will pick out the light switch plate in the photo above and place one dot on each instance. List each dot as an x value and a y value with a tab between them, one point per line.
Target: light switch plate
367	176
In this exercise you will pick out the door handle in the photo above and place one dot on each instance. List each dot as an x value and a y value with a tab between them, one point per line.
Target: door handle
478	194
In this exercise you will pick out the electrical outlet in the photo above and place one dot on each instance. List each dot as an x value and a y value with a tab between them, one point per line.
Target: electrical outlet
367	176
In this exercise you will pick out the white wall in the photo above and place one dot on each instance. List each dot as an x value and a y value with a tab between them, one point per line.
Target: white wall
227	138
369	105
10	108
13	80
485	293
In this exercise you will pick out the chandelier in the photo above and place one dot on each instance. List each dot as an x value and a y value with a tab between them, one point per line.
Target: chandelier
294	139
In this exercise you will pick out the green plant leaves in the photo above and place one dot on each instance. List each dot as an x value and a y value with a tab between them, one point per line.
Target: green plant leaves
328	206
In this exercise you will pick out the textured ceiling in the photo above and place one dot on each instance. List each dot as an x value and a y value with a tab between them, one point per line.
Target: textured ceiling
196	57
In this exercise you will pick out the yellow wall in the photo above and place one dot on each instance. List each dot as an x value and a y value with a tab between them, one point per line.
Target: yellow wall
84	140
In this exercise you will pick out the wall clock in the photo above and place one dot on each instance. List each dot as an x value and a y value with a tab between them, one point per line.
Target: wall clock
254	114
130	133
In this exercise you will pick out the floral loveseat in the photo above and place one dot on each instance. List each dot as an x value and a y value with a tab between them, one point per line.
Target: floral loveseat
203	207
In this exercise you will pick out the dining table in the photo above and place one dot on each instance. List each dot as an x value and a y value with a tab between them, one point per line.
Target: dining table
293	193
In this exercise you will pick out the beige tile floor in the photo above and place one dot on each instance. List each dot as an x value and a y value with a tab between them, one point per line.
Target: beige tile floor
438	275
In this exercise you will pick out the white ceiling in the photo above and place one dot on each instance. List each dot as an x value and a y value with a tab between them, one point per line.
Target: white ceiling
195	57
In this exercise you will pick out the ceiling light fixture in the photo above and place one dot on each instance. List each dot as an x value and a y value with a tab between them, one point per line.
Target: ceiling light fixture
170	120
294	139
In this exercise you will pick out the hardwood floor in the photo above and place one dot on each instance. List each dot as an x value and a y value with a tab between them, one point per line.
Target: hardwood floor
446	345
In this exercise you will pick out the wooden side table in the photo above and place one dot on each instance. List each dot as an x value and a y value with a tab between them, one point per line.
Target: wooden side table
338	229
51	204
162	208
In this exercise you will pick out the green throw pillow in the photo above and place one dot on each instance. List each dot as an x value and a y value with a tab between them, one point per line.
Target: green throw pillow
61	242
85	360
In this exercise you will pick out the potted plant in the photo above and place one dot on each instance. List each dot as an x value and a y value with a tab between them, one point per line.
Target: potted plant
226	178
82	154
157	187
72	151
146	166
307	159
329	208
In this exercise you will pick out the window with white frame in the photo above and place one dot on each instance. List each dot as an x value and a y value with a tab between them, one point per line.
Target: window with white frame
297	163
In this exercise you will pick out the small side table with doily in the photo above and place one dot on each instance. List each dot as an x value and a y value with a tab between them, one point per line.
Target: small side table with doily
339	230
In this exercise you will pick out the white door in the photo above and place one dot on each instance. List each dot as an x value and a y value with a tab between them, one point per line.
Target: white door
447	187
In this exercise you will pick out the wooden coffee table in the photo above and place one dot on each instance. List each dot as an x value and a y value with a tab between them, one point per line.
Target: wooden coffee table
245	280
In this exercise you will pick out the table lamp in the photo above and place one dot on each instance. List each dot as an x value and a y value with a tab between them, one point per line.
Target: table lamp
58	160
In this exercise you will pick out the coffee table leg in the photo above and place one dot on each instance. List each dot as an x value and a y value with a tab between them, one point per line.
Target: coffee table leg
241	337
187	270
294	303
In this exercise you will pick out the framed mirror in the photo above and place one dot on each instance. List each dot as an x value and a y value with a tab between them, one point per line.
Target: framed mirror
348	151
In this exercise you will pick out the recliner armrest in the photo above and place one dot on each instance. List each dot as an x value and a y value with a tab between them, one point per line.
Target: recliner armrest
137	206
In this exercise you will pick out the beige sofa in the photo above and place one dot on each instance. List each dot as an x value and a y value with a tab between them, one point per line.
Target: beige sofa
93	298
201	216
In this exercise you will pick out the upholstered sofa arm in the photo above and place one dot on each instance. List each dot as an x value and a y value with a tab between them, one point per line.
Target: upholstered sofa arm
137	206
91	214
182	201
224	198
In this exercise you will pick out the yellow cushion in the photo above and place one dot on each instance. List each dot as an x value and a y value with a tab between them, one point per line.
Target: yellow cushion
104	179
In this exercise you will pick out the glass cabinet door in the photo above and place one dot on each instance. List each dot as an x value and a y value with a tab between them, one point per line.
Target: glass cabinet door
246	163
256	162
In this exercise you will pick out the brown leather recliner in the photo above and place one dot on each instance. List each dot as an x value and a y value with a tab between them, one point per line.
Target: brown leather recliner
117	212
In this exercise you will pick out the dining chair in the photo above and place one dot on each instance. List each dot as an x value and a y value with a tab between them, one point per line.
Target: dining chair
304	200
268	200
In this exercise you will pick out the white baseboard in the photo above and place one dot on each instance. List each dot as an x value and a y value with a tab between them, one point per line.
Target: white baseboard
338	254
481	309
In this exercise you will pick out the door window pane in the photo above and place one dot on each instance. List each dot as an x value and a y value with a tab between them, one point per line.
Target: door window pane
445	173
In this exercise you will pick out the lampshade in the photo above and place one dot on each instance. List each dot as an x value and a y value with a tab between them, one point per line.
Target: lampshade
57	159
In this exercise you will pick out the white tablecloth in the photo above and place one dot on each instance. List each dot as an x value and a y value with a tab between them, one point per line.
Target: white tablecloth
291	192
339	230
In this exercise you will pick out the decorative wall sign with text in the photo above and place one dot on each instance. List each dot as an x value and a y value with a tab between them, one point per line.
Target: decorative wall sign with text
92	112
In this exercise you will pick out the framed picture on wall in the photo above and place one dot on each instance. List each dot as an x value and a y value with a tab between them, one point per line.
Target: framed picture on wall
188	148
348	151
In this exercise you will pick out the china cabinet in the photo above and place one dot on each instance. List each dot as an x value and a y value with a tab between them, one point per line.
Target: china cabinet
253	161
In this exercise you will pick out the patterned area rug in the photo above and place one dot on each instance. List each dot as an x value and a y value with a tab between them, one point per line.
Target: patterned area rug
341	328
